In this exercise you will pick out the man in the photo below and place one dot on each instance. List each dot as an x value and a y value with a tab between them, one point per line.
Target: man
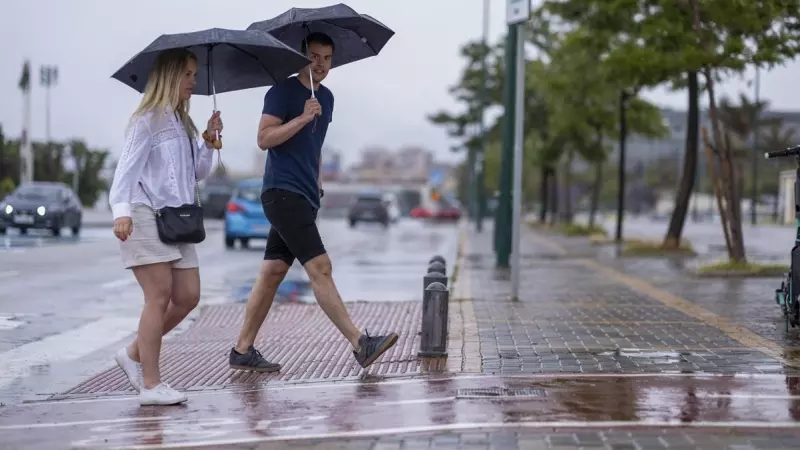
292	128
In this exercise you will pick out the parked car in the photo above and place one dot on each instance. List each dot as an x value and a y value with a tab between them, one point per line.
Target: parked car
445	210
244	215
369	207
41	205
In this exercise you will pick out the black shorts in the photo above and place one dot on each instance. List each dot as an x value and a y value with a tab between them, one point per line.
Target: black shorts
293	232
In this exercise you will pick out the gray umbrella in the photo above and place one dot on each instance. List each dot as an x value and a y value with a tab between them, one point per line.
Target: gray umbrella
227	60
356	36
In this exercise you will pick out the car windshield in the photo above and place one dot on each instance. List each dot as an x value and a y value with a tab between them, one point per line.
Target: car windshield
249	193
36	192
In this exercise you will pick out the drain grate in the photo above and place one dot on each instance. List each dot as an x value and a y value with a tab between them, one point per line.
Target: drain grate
501	393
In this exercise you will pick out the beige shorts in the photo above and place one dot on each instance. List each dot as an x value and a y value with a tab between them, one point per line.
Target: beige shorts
144	247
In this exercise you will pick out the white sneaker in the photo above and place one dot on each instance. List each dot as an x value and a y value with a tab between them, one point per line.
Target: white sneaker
161	395
131	368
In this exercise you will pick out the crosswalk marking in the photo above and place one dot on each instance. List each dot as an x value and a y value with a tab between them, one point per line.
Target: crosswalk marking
67	346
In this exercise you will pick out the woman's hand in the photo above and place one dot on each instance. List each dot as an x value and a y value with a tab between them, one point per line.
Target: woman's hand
123	227
214	126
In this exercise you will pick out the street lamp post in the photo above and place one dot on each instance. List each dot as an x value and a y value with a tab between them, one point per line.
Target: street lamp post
48	76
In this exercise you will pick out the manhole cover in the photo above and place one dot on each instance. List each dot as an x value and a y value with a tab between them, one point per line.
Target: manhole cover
500	393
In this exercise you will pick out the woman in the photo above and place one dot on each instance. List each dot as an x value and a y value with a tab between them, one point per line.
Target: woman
159	166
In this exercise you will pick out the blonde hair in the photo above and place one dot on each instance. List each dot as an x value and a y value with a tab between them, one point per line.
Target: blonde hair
163	87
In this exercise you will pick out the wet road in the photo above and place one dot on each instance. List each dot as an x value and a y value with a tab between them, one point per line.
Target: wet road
67	303
392	407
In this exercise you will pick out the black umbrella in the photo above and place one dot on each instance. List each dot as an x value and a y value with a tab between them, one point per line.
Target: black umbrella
227	60
356	36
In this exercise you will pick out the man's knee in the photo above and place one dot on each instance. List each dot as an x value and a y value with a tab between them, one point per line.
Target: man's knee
319	267
273	271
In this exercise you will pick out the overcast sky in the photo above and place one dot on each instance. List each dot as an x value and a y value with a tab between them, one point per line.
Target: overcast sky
379	101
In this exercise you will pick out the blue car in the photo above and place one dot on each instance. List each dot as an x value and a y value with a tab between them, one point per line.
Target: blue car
244	216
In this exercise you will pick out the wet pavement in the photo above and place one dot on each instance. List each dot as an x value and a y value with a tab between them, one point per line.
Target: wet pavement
599	352
578	404
59	330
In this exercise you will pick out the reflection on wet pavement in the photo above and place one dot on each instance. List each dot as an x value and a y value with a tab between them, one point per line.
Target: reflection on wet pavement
309	410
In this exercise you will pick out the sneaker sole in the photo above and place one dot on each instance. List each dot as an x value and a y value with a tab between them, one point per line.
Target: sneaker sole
256	369
387	344
157	403
130	380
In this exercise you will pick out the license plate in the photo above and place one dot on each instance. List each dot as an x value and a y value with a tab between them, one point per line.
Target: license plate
369	215
261	228
23	218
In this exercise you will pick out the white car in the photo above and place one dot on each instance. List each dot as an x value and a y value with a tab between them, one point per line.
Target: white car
392	206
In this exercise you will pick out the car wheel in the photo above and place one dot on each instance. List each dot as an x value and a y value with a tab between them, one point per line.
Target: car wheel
3	231
245	242
352	223
229	242
76	230
56	231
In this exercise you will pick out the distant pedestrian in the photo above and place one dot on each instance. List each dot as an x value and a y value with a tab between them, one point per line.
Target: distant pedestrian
159	167
292	129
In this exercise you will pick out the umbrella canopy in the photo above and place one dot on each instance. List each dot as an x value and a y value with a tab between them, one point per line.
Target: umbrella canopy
227	60
356	36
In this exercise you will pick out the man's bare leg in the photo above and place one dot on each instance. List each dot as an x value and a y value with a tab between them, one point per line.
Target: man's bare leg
244	356
366	348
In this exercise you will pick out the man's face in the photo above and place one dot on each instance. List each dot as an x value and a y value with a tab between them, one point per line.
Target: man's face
321	57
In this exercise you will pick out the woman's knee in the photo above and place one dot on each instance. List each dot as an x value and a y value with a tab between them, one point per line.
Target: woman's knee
156	283
186	288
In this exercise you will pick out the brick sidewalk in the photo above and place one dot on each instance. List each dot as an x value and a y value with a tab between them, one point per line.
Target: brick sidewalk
577	315
532	440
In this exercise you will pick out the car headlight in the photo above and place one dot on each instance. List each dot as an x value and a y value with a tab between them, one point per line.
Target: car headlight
41	210
9	209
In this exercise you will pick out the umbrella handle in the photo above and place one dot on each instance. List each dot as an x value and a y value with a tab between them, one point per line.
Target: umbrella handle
311	79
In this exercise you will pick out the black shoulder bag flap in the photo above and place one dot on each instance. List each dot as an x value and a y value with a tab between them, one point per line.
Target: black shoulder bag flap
181	224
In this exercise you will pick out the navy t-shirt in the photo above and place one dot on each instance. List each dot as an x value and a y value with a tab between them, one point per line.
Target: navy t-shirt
294	165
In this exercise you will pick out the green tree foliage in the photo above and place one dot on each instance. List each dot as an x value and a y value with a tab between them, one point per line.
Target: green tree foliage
48	166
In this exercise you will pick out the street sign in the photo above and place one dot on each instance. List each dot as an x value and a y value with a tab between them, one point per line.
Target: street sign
517	11
436	177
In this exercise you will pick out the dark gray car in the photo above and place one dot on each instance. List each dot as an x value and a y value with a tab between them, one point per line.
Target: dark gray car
368	208
41	205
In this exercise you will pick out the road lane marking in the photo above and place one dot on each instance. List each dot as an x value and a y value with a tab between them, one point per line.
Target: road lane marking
416	401
29	426
736	332
67	346
104	441
416	379
118	283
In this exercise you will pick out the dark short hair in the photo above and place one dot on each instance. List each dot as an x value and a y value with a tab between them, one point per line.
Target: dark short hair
319	38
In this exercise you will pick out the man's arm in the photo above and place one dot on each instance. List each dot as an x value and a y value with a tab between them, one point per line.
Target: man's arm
273	132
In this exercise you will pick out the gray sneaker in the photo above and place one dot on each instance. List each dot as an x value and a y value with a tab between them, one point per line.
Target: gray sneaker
373	347
252	361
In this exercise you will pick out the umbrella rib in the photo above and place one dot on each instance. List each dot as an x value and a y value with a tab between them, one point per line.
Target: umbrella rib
256	58
369	44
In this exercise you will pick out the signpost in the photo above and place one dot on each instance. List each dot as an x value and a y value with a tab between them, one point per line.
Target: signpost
518	12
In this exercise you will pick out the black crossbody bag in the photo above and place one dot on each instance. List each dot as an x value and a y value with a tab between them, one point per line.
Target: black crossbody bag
181	224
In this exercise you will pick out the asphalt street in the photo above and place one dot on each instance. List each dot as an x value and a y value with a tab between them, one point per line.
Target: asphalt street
66	304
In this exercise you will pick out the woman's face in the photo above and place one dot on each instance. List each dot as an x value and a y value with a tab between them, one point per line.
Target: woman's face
188	80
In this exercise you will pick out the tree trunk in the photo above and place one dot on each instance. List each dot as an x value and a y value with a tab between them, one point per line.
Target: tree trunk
673	238
717	189
623	134
544	194
736	251
596	187
567	212
554	203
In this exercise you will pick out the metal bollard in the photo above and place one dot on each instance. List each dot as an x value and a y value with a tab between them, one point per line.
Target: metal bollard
438	258
433	277
437	267
433	342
